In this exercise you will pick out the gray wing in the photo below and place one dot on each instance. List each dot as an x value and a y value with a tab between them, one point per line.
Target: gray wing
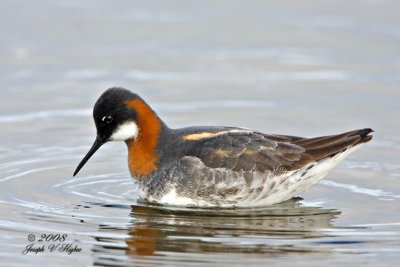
239	149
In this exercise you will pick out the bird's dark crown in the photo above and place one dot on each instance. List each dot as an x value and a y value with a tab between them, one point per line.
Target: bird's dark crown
111	110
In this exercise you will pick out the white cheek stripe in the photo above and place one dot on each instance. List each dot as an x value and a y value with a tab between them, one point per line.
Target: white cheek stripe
125	131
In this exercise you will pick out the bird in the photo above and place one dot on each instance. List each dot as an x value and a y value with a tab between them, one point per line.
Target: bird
213	166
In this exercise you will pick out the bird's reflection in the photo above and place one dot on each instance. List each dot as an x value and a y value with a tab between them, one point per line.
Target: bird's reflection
156	230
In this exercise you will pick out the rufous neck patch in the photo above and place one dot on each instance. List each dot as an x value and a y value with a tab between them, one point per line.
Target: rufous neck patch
142	151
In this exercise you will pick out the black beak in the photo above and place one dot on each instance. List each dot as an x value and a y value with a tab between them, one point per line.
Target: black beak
97	144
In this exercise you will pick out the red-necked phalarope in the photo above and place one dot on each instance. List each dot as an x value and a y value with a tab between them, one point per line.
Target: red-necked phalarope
214	166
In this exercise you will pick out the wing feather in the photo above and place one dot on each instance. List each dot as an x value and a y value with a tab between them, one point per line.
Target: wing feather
246	150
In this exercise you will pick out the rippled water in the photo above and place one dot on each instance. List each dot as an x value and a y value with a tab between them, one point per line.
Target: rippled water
308	68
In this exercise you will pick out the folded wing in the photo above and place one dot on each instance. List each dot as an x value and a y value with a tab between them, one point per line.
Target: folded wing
239	149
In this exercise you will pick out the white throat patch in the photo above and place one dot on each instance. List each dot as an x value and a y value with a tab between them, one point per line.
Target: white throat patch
125	131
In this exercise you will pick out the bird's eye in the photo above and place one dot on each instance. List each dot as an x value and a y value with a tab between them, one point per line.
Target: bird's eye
107	119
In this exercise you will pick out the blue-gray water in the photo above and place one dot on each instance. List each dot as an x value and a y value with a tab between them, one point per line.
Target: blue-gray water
292	67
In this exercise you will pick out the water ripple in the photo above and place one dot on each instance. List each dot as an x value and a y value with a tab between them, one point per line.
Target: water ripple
361	190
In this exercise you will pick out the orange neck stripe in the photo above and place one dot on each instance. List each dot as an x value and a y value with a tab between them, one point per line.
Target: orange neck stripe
142	151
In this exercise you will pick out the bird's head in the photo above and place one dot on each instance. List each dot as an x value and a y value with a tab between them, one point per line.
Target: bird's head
116	115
